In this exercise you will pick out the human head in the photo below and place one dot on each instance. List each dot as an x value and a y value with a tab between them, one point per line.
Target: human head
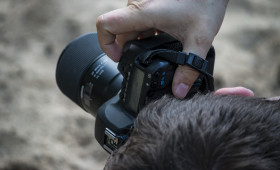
207	132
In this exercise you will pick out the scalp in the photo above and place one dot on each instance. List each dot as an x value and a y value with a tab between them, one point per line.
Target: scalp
205	132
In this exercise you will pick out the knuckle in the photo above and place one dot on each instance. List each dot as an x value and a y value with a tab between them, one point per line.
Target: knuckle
187	74
100	21
136	4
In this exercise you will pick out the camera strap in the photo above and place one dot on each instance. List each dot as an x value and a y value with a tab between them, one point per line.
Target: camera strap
180	58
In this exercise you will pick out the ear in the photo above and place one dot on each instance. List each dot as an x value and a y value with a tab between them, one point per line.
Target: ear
235	91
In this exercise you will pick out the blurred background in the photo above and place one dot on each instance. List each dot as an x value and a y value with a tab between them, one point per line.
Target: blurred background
40	129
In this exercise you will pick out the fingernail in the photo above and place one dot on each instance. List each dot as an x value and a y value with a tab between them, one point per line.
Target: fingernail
181	90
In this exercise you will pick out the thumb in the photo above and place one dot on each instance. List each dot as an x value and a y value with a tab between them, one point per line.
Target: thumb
185	76
183	79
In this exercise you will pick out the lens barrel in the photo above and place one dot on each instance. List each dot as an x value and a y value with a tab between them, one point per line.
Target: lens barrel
82	63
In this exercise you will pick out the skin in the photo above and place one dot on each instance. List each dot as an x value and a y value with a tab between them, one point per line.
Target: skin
240	91
193	22
236	91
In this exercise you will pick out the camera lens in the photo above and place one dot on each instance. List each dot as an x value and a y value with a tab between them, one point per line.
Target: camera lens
86	74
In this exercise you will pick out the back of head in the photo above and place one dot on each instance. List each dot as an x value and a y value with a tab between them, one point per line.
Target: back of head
206	132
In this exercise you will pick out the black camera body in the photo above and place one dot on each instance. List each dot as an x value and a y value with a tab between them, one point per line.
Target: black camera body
146	71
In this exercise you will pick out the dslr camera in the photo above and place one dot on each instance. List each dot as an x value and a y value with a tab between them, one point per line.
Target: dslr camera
115	93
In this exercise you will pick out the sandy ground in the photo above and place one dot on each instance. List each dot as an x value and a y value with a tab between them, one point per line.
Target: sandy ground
40	129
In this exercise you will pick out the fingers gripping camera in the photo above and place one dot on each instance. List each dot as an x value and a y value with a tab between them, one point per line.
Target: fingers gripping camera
114	97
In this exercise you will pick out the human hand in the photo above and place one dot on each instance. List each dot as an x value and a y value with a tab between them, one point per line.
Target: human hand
193	22
235	91
241	91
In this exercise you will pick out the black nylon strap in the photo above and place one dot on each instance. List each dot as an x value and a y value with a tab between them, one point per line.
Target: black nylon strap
181	58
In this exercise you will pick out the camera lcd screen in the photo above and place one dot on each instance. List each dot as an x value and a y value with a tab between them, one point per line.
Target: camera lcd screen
136	86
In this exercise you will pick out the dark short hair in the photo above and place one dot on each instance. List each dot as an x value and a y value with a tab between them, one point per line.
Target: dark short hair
206	132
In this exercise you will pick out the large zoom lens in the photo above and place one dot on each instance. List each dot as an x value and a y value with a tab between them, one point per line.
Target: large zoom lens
86	75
